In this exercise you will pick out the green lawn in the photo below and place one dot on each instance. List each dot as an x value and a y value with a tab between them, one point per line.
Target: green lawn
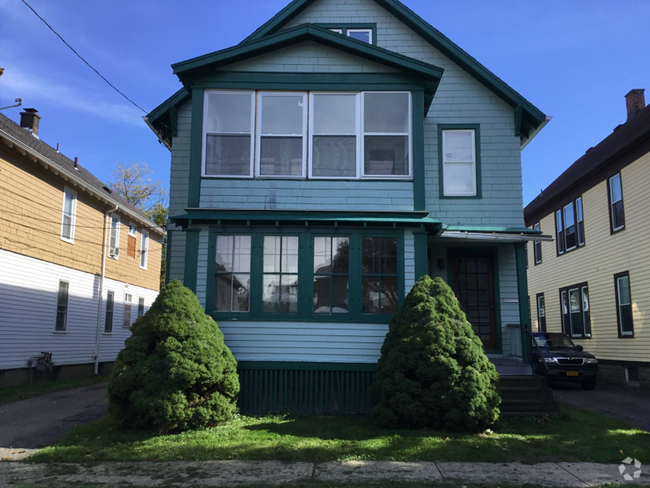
574	435
23	392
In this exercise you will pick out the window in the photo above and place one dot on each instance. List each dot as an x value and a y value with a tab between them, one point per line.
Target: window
131	240
232	274
306	274
570	227
459	168
541	313
127	311
574	302
379	275
62	307
624	305
364	34
350	135
331	275
114	239
144	249
69	214
537	247
133	230
617	212
280	274
110	306
140	307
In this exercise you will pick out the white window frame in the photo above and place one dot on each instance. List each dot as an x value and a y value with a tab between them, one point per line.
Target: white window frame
610	181
126	322
619	313
141	306
357	134
253	127
363	133
537	247
114	218
474	193
110	293
338	30
73	215
369	31
144	249
259	135
67	307
133	229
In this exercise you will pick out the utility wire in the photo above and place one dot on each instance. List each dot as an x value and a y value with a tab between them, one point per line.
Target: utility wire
81	57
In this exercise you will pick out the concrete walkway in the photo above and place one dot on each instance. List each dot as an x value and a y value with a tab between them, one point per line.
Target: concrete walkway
39	421
233	473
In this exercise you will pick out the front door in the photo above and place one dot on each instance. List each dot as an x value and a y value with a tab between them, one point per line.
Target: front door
473	284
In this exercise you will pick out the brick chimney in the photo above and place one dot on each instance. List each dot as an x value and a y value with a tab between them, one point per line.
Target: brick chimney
634	101
29	119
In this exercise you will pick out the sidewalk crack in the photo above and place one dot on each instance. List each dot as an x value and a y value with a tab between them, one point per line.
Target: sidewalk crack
313	472
579	479
440	471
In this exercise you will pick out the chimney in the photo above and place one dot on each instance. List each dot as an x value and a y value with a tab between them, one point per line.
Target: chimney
29	119
634	101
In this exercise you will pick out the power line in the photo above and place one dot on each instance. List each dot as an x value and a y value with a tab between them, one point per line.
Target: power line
82	58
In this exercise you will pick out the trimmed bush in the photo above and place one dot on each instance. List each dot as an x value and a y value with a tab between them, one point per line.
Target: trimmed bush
433	372
175	372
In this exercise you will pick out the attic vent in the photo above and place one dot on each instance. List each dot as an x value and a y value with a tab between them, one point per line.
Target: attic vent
108	189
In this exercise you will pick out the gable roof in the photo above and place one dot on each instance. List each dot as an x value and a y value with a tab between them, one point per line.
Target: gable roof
14	135
629	141
532	119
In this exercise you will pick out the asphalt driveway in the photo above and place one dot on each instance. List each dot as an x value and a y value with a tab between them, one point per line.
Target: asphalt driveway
626	404
39	421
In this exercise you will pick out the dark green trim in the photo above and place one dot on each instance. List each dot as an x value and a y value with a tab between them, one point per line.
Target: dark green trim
187	70
494	252
532	116
494	230
285	365
191	258
524	311
173	117
161	119
417	131
168	258
305	260
519	113
421	255
477	145
344	27
196	149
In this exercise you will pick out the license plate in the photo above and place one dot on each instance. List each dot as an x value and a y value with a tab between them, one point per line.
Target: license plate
572	373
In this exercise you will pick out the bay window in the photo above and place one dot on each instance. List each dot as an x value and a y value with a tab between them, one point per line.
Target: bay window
307	135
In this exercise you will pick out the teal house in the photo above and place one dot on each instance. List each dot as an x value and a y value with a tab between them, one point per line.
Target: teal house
318	169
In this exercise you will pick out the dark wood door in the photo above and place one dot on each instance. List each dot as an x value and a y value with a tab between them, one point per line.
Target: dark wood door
473	284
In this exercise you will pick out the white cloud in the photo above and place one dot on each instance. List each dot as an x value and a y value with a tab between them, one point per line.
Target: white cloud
33	89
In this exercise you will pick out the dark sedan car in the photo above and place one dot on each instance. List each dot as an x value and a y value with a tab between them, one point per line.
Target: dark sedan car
559	359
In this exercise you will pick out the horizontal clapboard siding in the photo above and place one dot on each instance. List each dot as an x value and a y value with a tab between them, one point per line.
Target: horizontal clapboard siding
304	341
28	301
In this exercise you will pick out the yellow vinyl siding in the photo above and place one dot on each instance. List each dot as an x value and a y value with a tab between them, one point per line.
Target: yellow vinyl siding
603	255
31	206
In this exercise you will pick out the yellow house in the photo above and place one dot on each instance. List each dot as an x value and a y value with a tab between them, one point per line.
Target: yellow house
593	281
78	264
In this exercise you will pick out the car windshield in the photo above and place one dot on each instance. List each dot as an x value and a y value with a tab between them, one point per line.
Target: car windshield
553	340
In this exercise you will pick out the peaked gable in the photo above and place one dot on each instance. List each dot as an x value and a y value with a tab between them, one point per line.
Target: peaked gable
529	119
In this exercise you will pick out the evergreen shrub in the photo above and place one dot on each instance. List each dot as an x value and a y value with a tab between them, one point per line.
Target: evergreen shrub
433	372
175	372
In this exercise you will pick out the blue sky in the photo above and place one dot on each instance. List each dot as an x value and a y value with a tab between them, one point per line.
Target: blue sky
575	60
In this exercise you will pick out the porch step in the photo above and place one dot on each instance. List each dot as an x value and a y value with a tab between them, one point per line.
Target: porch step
526	395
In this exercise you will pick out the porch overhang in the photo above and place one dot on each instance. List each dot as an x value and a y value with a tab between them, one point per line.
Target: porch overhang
500	234
412	220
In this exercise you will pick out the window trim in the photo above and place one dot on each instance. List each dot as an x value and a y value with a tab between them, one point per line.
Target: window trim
477	160
586	319
126	302
560	220
537	244
305	274
67	306
344	28
140	307
359	29
107	329
204	136
539	315
621	334
73	215
135	229
144	249
612	229
115	254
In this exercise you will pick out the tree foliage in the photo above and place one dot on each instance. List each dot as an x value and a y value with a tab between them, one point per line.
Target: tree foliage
175	372
433	372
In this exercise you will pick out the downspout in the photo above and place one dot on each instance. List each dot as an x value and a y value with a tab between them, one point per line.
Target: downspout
101	288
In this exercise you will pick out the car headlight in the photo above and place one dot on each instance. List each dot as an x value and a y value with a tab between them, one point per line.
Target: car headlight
550	360
591	361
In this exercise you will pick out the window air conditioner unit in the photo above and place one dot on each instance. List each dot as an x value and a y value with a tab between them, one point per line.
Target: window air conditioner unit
114	251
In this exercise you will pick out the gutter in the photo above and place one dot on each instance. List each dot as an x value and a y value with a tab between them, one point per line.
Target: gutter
100	299
155	131
490	236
